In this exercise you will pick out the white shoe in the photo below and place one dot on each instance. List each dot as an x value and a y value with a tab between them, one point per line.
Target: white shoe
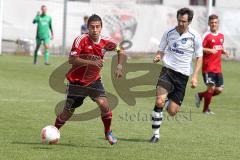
210	112
197	100
205	112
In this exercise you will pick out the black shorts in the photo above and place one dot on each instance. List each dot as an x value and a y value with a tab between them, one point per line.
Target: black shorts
76	93
175	83
215	79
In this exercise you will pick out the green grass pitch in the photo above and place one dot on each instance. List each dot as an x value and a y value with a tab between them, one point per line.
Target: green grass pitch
27	105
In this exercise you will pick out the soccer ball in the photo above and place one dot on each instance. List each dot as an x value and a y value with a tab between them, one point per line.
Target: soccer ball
50	135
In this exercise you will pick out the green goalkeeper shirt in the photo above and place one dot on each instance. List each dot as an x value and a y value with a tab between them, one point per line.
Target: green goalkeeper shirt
44	25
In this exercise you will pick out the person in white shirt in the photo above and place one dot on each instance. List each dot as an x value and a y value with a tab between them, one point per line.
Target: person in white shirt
178	46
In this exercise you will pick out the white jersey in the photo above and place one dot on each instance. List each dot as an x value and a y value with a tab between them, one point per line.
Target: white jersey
180	49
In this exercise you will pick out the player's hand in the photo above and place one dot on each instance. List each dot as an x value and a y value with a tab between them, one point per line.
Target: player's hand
194	82
52	37
118	73
157	58
213	51
227	54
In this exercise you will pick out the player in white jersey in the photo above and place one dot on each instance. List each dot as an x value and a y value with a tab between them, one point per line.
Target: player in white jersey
177	48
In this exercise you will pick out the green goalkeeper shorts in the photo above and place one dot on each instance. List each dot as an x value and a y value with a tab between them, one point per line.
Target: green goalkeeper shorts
44	40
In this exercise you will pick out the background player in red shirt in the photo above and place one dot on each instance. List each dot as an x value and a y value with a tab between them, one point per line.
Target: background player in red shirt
86	57
211	67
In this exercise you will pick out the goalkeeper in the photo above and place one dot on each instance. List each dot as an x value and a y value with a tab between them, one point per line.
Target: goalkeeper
44	26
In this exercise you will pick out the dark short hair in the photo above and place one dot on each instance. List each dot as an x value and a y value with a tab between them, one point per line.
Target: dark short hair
212	16
187	11
94	17
85	17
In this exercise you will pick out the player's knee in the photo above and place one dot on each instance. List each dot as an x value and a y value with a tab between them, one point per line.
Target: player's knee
211	90
66	114
172	112
219	90
71	104
160	103
102	103
46	47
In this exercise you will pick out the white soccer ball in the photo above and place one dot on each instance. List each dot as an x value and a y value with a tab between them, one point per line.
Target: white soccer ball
50	135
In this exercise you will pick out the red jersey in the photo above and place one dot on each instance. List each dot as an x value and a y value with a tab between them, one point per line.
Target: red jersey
85	48
212	62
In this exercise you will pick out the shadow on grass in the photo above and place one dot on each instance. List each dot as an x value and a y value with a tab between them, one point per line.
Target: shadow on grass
45	146
38	143
130	139
133	139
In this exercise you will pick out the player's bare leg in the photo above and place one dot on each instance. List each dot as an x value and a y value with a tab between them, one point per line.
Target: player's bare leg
106	115
46	54
67	112
63	117
36	53
173	108
157	113
217	91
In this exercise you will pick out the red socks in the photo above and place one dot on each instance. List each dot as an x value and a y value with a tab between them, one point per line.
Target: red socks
207	95
107	119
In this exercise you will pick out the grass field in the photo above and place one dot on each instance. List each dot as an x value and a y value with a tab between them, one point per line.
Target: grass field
27	105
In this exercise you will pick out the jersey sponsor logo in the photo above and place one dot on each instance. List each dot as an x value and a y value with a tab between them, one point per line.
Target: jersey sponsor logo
176	50
213	40
218	47
90	47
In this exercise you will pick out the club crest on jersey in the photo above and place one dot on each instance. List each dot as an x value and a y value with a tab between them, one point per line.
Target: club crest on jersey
104	50
184	40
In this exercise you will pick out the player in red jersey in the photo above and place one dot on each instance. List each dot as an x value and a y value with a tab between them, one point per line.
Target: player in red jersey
86	57
212	67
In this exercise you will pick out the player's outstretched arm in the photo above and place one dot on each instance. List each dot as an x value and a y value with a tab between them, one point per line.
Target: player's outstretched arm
198	64
119	69
36	19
